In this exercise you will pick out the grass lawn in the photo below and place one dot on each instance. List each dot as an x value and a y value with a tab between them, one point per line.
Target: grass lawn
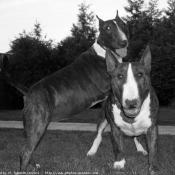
166	116
63	151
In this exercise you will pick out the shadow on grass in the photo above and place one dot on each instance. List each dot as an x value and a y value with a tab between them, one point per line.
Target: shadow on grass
62	151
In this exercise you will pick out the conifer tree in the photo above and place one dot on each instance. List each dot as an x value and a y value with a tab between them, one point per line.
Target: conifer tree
83	35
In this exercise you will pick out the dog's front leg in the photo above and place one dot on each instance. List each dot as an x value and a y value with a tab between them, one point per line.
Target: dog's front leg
117	141
151	136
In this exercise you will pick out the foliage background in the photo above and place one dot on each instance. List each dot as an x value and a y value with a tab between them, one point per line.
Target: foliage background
35	57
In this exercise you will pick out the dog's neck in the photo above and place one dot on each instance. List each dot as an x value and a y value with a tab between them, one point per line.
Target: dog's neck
101	51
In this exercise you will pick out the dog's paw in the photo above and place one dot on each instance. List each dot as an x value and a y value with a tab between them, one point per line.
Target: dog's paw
93	150
38	166
153	170
152	173
119	164
91	153
145	153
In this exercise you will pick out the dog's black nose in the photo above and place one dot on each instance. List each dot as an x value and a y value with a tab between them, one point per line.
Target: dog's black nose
131	104
124	43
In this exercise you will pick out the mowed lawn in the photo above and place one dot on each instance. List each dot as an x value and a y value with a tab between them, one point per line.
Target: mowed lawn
65	152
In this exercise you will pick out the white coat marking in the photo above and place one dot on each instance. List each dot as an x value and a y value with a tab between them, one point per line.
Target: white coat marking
141	122
119	164
98	139
99	50
121	33
130	88
102	52
139	147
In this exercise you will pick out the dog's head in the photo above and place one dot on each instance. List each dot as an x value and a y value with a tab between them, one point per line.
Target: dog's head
113	33
130	81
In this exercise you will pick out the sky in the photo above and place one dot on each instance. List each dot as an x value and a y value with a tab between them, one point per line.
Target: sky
55	16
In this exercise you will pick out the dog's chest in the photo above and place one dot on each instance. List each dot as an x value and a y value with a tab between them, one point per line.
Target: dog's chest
141	123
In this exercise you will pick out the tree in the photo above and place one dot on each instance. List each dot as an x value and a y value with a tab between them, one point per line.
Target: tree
83	35
171	8
164	40
148	26
169	21
135	8
153	10
84	30
136	24
33	57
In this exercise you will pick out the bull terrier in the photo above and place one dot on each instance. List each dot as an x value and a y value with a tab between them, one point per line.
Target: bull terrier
130	109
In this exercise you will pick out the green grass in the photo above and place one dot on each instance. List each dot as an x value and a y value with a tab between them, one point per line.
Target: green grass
166	116
62	151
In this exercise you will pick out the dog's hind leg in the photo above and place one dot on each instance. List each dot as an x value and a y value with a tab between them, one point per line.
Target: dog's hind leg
139	147
35	125
101	126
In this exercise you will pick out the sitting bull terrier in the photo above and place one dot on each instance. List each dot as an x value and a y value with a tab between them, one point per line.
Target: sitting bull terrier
72	89
130	109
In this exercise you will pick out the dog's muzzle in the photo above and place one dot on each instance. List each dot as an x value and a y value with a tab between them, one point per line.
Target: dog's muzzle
132	107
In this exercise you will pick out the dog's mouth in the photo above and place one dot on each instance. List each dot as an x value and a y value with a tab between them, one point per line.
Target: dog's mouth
132	112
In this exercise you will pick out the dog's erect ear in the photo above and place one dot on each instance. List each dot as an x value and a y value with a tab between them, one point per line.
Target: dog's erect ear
111	61
101	22
146	59
117	14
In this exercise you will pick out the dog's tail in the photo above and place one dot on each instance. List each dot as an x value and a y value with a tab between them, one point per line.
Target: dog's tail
24	90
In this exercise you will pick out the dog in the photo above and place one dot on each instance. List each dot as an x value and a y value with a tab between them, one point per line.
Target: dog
130	109
72	89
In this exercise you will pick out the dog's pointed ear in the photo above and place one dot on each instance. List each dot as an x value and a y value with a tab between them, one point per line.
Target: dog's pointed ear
101	22
146	59
111	61
117	14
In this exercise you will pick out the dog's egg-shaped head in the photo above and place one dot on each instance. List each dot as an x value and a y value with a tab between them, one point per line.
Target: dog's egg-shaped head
113	33
130	82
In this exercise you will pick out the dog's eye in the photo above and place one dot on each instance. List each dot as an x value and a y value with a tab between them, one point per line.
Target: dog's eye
123	24
140	74
120	76
108	28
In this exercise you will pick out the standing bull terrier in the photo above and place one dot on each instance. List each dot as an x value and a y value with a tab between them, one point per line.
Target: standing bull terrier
76	87
130	109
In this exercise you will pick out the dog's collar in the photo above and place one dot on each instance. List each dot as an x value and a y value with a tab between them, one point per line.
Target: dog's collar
102	51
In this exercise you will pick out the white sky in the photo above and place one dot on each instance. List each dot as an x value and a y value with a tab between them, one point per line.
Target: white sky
55	16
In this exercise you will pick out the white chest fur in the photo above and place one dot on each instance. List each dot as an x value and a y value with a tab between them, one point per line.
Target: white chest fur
141	123
101	52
